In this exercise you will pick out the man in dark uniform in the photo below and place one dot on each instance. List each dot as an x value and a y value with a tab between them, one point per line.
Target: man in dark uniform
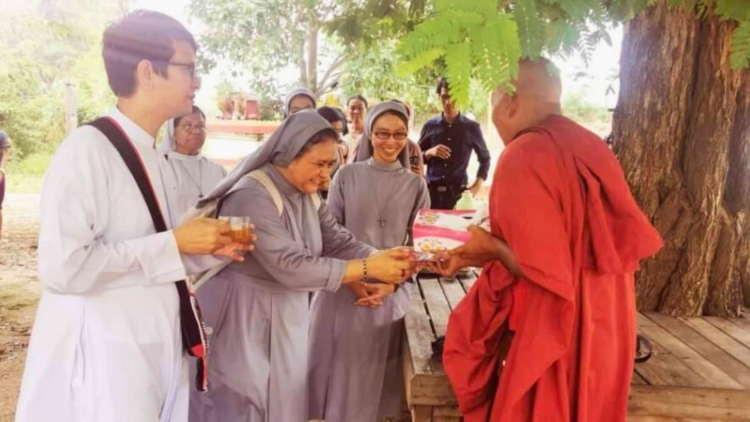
447	141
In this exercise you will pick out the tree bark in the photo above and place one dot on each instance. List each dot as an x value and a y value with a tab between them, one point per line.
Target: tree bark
312	56
682	135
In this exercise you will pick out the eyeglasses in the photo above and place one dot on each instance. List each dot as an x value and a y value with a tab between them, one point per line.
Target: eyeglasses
194	129
357	108
399	136
189	67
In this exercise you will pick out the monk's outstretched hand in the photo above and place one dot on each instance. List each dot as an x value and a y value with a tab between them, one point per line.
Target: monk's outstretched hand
480	249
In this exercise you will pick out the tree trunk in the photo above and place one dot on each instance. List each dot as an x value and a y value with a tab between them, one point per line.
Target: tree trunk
682	134
312	57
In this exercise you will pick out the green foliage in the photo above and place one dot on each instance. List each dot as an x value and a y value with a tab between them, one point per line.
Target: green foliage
740	57
39	53
530	28
485	39
261	38
594	117
733	9
473	39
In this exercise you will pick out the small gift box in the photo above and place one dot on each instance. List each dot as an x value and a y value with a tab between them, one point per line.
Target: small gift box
437	231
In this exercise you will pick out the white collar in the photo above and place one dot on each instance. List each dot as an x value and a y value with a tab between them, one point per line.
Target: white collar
135	132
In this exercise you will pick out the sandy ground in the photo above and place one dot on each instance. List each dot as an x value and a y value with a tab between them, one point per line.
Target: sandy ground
19	292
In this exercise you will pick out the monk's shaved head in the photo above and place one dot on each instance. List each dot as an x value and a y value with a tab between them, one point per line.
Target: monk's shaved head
538	90
539	80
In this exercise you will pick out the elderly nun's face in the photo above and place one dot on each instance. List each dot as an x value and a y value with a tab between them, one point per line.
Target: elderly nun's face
389	134
313	167
190	134
299	103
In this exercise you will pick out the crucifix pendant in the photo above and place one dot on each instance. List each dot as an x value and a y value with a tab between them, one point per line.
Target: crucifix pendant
382	222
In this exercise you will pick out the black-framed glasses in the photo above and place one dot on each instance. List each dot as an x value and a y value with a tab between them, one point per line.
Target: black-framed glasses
194	129
189	67
383	135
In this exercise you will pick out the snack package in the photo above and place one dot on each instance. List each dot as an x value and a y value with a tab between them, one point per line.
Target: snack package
438	231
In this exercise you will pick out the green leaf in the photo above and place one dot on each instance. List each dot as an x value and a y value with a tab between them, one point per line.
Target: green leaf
576	9
420	61
530	29
740	56
458	72
733	9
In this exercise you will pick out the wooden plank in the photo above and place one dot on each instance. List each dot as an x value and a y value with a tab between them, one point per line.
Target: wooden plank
689	403
424	376
743	321
706	348
714	376
437	304
468	280
446	414
421	414
666	369
734	331
638	380
721	339
453	291
419	335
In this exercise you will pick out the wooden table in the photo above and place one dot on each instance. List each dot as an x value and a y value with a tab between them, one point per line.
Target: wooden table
700	370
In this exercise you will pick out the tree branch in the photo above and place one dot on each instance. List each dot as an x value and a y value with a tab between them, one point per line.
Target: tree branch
334	66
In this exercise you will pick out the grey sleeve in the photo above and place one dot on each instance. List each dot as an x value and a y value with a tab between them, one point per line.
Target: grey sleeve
335	199
276	251
339	242
422	201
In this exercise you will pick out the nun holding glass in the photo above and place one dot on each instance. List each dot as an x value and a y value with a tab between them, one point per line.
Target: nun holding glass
259	309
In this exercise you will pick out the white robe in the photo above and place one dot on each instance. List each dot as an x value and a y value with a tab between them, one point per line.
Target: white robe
106	343
195	176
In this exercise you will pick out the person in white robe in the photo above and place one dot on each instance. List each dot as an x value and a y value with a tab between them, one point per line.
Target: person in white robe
106	344
194	174
259	310
356	371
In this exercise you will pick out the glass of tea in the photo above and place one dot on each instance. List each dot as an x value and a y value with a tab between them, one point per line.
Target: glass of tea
239	228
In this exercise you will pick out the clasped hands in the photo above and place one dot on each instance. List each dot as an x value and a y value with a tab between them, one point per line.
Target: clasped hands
385	270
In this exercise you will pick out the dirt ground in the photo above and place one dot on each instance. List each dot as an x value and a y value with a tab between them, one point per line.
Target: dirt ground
19	292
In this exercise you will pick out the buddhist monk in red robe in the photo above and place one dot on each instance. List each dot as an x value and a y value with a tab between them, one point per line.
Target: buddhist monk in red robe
548	331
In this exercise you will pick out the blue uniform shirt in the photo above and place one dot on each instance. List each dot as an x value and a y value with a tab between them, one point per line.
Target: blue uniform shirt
461	136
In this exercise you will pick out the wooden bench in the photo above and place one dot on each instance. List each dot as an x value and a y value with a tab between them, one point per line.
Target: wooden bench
700	370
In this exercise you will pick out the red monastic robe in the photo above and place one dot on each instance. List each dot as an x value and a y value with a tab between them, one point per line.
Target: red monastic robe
560	200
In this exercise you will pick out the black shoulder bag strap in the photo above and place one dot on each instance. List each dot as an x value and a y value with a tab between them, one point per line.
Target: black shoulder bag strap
194	338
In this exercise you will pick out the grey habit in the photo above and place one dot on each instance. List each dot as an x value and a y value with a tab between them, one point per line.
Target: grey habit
295	93
355	367
259	309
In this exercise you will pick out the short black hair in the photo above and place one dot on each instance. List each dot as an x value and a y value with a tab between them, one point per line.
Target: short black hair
327	134
140	35
196	110
357	97
331	114
442	83
343	119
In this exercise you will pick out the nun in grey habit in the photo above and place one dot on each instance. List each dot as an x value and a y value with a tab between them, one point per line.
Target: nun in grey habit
299	99
355	369
258	310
